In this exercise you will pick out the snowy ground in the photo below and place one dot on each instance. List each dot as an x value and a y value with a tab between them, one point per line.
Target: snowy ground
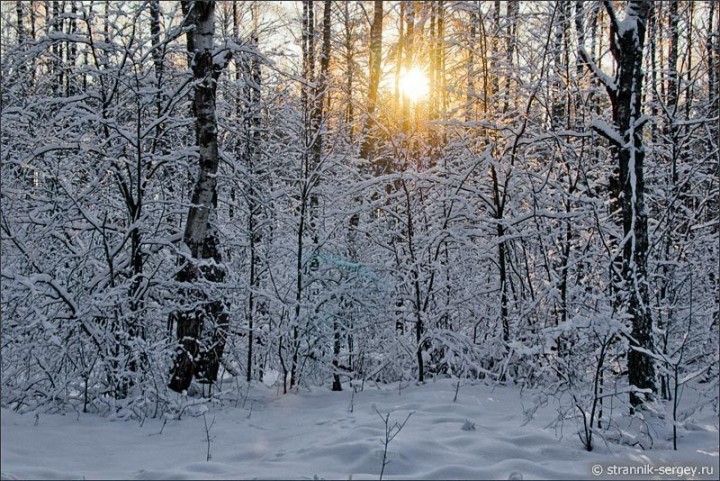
308	435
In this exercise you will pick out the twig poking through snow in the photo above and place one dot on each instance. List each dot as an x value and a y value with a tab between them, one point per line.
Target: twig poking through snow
468	426
208	437
390	433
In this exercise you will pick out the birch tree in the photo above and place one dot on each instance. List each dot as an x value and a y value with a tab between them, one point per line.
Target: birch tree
199	352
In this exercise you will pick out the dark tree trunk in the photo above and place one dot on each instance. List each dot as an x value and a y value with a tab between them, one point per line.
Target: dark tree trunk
308	105
376	31
322	84
249	68
20	22
21	33
70	88
409	54
319	126
495	55
349	58
470	94
433	47
57	47
499	206
512	16
157	54
336	385
399	58
625	92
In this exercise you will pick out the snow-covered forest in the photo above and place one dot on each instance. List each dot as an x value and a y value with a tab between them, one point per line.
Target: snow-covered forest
206	202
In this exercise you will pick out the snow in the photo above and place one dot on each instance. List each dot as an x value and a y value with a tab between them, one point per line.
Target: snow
606	80
628	24
315	434
607	131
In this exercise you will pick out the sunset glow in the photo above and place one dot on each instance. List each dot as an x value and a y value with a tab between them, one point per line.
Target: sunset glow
414	84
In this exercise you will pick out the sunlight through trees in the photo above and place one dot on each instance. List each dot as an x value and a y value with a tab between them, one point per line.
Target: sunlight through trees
198	196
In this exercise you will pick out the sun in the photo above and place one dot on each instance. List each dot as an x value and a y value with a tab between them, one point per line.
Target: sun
414	84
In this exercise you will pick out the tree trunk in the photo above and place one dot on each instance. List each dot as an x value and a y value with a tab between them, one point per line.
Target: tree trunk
470	89
57	49
625	92
376	31
71	52
20	22
349	59
249	70
319	114
157	55
495	56
308	106
409	57
513	9
397	97
21	34
317	121
198	353
433	48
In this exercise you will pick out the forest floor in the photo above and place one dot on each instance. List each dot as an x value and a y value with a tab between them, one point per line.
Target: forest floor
313	435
